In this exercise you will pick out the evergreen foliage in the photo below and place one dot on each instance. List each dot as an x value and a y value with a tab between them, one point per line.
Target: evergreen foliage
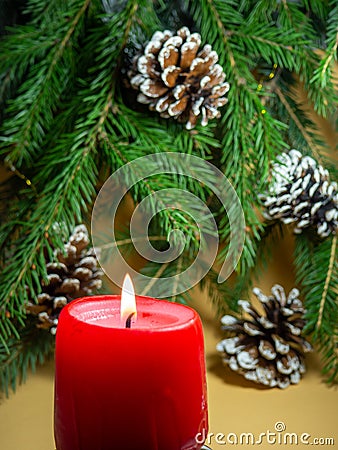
69	119
317	272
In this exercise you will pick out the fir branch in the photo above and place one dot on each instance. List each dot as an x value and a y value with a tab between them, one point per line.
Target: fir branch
167	219
153	280
223	296
55	206
304	41
24	131
160	277
129	241
291	16
5	90
323	73
24	47
293	135
317	7
61	48
66	192
327	283
315	150
246	154
269	45
317	273
223	32
323	96
176	282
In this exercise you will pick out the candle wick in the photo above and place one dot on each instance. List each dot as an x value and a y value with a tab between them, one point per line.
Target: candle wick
128	321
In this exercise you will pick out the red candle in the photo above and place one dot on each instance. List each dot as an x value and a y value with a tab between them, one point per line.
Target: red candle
137	388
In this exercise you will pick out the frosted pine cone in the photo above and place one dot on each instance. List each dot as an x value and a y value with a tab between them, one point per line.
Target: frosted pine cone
73	274
267	348
302	193
179	79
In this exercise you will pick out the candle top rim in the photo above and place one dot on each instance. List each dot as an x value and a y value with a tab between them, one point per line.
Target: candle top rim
153	315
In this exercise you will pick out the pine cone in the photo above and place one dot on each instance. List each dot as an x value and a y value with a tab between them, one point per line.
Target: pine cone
302	193
74	274
179	79
268	348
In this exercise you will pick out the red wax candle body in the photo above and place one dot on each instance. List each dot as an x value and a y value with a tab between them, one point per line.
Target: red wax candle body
138	388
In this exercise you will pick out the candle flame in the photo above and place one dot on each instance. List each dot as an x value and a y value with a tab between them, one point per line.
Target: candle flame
128	302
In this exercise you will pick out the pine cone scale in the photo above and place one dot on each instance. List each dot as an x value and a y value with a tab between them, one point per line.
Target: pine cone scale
188	54
169	77
152	88
168	57
267	350
178	107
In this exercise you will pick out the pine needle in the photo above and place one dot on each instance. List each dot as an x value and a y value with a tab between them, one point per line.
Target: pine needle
153	280
307	137
327	282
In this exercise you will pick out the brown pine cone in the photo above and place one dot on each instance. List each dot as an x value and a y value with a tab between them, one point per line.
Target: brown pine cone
267	348
73	274
179	79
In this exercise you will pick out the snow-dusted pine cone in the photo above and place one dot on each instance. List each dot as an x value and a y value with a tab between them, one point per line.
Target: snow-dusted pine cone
179	79
267	348
73	274
301	192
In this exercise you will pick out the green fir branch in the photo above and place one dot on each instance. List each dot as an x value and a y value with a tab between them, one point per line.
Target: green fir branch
160	275
167	220
324	98
39	96
302	129
61	201
251	136
225	296
323	74
67	191
328	280
317	273
317	7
